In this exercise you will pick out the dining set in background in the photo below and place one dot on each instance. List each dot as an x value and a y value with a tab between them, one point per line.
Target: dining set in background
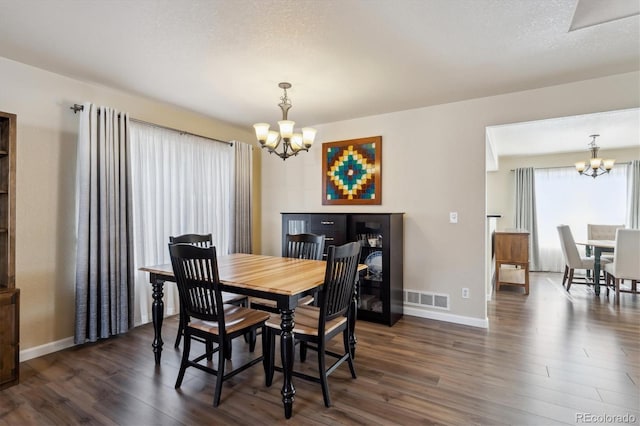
612	253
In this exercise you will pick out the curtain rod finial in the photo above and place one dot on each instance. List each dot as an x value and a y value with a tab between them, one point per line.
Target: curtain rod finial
76	108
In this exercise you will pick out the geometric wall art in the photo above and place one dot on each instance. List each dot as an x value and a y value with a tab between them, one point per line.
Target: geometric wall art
352	171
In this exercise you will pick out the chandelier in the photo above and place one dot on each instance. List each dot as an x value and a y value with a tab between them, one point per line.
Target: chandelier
290	142
595	166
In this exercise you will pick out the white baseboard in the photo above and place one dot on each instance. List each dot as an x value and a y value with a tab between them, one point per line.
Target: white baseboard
442	316
46	349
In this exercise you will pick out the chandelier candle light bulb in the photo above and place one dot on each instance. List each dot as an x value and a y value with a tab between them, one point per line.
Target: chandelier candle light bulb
286	128
290	141
272	139
308	135
296	142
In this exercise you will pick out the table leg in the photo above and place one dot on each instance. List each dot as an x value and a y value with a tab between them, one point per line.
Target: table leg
587	252
287	352
353	316
596	269
157	312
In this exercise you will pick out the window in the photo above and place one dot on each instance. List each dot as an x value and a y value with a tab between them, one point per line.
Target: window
565	197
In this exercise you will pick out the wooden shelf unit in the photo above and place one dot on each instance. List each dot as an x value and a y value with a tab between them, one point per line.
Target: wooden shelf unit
9	295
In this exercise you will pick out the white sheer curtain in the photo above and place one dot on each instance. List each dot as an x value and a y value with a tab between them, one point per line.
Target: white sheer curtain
565	197
181	184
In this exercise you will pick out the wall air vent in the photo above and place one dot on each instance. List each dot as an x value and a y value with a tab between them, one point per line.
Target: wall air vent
412	297
426	299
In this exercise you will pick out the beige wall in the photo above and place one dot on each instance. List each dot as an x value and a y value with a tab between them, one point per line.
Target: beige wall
434	163
46	152
500	187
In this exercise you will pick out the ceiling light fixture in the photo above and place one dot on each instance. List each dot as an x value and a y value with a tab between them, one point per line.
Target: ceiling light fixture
291	142
596	165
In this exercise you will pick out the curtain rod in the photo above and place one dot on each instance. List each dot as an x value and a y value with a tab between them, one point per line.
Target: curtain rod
78	107
566	167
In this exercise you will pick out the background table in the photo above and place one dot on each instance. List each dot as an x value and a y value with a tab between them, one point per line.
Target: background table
598	247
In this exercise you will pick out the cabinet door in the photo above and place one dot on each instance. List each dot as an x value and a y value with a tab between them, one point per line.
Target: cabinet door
373	297
9	342
295	223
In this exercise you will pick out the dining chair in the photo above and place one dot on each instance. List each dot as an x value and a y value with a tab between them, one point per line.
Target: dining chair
317	325
304	246
625	263
300	246
207	317
572	258
204	240
602	232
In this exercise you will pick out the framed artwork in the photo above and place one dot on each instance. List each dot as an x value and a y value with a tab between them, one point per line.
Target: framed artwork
351	171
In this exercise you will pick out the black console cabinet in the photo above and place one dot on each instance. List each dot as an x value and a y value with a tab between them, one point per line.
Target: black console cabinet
380	288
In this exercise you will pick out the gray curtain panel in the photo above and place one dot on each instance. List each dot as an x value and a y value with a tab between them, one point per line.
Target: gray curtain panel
242	198
525	211
633	202
104	256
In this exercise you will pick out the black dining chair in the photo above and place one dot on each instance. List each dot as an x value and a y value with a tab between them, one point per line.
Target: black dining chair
203	240
304	246
207	317
299	246
317	325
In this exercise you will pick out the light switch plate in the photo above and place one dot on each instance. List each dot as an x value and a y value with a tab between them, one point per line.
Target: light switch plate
453	217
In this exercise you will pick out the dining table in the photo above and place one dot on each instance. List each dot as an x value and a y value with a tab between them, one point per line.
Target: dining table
282	279
597	247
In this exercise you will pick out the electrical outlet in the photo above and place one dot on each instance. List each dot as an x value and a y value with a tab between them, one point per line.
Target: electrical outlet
453	217
465	293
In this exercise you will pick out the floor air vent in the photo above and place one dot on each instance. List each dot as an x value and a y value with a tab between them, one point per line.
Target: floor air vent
426	299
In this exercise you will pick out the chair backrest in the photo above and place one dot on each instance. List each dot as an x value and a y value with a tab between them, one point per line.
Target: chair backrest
200	240
304	246
569	248
339	282
602	232
196	272
626	255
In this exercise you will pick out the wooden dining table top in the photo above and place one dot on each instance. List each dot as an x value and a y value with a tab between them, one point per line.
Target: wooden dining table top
279	275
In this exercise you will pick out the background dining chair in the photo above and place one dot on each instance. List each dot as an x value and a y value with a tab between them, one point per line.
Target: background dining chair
300	246
626	264
203	240
207	317
304	246
572	258
317	325
602	232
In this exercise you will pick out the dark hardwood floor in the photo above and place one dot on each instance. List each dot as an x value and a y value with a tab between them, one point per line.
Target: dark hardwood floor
547	358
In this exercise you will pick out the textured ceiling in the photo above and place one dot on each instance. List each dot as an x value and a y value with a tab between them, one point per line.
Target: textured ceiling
345	58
